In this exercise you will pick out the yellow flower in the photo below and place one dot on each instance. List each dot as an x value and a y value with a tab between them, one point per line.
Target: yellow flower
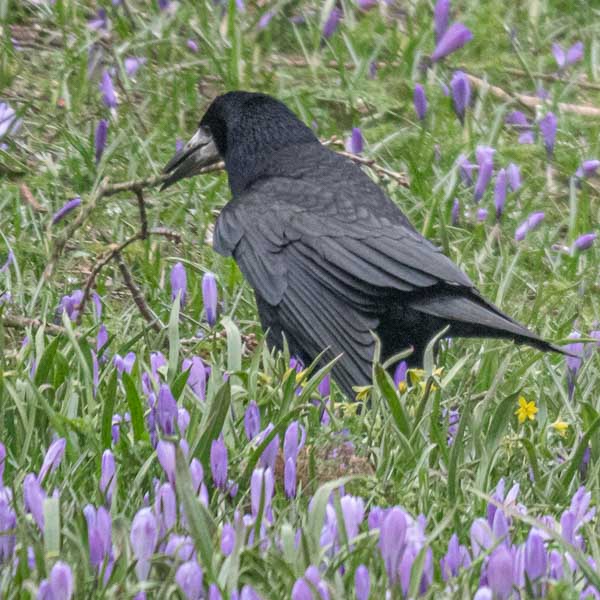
402	387
362	392
348	409
526	410
560	426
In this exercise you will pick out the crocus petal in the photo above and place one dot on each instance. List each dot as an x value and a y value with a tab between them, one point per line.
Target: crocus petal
461	94
420	101
210	297
109	96
354	143
332	22
548	126
441	16
62	212
454	38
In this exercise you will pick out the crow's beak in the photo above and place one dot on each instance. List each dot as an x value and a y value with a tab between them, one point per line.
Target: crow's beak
199	152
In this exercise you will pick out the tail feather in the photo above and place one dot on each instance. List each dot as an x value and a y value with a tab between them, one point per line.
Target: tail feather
476	317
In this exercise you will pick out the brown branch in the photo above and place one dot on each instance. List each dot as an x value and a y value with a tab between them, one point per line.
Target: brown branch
17	322
28	197
137	296
582	83
533	101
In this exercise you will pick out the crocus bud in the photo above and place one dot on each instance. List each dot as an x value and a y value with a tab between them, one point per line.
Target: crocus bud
260	478
192	46
391	541
143	537
218	463
34	496
500	192
513	175
189	578
531	222
461	94
420	101
100	138
166	409
441	17
588	168
60	582
362	580
107	89
178	283
548	126
332	22
269	455
500	572
214	593
455	37
132	65
289	478
354	144
455	213
108	478
536	557
583	242
65	209
209	295
53	457
227	539
166	457
302	590
252	420
198	374
486	169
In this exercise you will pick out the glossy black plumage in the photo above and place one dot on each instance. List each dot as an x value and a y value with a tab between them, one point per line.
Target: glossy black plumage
329	256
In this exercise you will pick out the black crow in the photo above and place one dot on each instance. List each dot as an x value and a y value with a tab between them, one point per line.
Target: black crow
330	257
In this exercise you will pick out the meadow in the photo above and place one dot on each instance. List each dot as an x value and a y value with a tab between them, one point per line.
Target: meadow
152	446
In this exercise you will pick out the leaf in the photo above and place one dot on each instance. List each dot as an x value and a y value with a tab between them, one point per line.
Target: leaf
178	384
389	393
575	462
499	421
416	573
107	410
135	409
200	524
51	510
214	424
234	345
173	335
457	446
46	362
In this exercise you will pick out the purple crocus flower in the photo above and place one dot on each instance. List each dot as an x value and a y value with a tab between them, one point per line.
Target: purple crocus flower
262	478
227	539
183	420
60	583
362	580
289	478
391	541
548	126
165	451
252	420
8	523
192	46
583	242
353	511
265	19
108	478
465	168
455	559
132	65
9	124
100	21
484	593
180	547
210	298
481	537
588	168
486	167
454	38
536	557
33	497
214	593
420	101
218	463
500	572
482	214
165	508
53	458
354	143
189	578
332	22
269	455
531	222
461	94
143	538
65	209
198	375
455	213
166	409
178	283
97	306
302	590
107	89
573	362
453	420
500	192
400	374
441	18
100	138
293	440
124	363
513	174
564	59
99	524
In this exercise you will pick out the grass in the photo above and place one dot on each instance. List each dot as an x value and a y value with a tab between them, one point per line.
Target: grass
400	453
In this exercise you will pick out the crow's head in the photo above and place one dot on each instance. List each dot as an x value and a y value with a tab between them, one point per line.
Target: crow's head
243	129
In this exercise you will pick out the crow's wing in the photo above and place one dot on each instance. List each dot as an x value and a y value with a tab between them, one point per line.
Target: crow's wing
327	257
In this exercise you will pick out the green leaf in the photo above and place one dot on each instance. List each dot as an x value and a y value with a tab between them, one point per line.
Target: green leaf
457	447
215	421
234	345
384	383
499	422
135	408
575	462
173	335
200	523
51	510
46	362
